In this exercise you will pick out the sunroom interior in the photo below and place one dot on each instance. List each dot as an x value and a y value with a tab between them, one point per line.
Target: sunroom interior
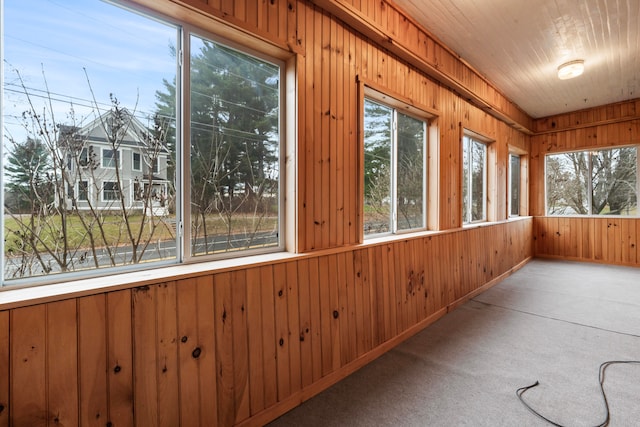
412	179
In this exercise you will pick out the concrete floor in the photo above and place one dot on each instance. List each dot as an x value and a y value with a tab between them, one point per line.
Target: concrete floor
552	321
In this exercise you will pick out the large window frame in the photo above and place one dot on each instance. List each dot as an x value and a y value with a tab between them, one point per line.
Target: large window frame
472	145
582	162
400	111
285	63
514	192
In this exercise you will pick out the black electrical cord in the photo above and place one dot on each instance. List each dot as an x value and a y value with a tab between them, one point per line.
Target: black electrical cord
602	369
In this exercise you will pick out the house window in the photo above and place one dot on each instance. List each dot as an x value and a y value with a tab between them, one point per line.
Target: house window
474	180
595	182
514	184
110	158
83	190
110	191
226	195
394	170
137	165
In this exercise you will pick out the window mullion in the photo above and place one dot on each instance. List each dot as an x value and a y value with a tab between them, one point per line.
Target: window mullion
183	146
394	172
589	183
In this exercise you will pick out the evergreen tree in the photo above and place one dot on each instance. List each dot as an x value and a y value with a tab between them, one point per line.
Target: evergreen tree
27	169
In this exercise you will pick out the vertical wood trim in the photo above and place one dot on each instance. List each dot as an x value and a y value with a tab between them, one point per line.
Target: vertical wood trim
240	346
187	315
120	358
28	405
5	368
224	349
62	363
206	343
145	381
92	355
254	334
269	340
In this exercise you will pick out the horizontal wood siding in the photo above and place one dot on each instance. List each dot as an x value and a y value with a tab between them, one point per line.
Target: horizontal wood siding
222	348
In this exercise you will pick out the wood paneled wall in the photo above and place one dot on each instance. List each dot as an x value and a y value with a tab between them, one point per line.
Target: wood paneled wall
605	240
242	345
610	240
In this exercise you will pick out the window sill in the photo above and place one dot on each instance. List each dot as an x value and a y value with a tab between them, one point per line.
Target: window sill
11	297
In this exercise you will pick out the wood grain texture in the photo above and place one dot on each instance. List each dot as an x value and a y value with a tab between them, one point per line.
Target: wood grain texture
5	369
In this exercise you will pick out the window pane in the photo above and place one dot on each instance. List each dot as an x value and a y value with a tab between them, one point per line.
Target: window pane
377	167
514	185
411	172
614	186
474	181
478	181
466	161
80	81
235	150
567	183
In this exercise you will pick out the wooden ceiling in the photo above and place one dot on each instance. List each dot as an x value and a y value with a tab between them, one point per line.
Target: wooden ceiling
519	44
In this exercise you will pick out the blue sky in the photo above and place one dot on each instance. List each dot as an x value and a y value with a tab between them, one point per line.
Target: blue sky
123	53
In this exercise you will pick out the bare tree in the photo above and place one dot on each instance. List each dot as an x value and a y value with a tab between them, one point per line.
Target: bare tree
84	221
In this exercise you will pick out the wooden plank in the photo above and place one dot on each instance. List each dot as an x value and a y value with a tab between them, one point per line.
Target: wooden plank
27	392
333	311
120	358
343	309
187	333
145	380
224	348
317	141
5	368
92	348
359	301
206	343
331	82
269	341
326	315
351	349
326	190
240	346
282	331
254	335
62	362
316	321
167	359
304	328
293	317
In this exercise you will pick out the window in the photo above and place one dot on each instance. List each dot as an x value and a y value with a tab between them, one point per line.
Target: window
235	149
514	185
474	180
137	166
394	170
217	173
83	190
110	191
110	158
597	182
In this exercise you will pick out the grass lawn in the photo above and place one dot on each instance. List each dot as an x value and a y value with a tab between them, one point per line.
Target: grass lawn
49	229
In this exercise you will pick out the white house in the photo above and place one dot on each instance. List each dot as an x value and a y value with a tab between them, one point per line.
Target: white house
115	155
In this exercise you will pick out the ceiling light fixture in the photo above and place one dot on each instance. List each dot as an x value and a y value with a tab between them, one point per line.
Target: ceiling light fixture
571	69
